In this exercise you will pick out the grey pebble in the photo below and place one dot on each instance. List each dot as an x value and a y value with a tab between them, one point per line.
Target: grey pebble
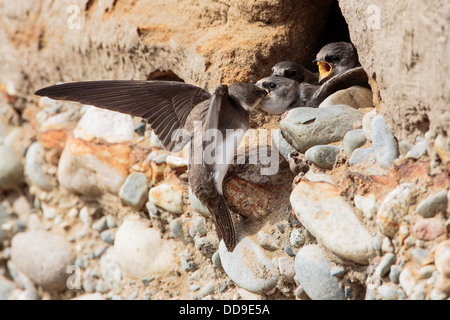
280	143
436	294
34	161
208	289
206	246
176	228
289	251
419	150
353	140
200	227
386	261
304	128
384	143
100	225
419	255
194	287
102	287
216	260
394	274
312	269
436	202
134	191
323	156
388	292
297	238
360	155
108	236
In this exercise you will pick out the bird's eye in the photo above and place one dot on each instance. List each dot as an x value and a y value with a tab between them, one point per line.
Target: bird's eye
292	73
272	85
335	58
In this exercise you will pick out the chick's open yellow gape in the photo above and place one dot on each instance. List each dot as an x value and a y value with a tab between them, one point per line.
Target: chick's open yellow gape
324	69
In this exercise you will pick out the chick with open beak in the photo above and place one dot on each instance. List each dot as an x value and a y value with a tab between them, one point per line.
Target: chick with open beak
336	58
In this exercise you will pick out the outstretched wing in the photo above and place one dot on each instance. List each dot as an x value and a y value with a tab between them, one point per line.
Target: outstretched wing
164	104
353	77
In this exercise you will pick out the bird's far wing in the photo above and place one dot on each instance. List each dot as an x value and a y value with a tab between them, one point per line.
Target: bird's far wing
164	104
353	77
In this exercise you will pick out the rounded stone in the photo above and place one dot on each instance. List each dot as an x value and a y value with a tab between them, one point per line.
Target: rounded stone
249	267
134	190
43	257
353	140
313	271
140	250
167	196
322	156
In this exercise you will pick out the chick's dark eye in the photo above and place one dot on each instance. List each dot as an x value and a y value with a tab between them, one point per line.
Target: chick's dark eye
292	73
335	58
272	85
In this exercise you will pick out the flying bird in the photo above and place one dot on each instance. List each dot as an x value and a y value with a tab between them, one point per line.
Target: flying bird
179	114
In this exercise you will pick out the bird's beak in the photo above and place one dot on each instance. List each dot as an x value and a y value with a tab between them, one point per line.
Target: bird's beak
324	69
267	91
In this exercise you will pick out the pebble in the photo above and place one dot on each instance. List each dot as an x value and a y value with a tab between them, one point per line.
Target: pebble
394	274
442	258
394	207
102	287
108	236
367	204
428	229
331	220
322	156
442	147
384	143
356	97
289	251
176	162
266	241
34	167
436	202
280	143
436	294
11	168
197	205
297	239
206	246
168	196
287	269
360	155
208	289
387	246
419	150
388	292
200	227
312	270
419	255
304	128
43	257
248	267
407	281
385	264
85	167
216	260
425	272
110	269
100	225
140	250
134	190
353	140
367	123
176	227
